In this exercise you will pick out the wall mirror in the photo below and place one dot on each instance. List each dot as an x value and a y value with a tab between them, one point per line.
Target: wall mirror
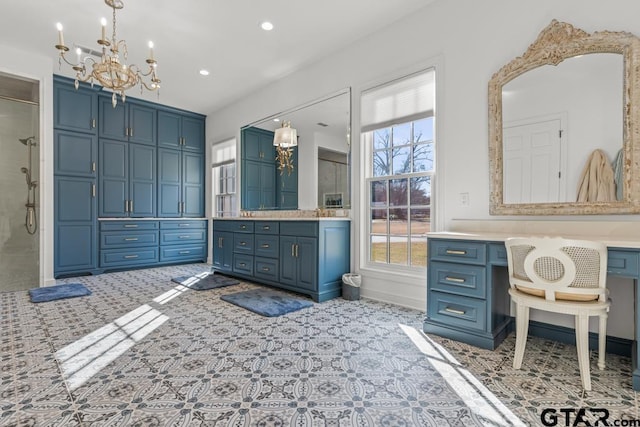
564	126
323	151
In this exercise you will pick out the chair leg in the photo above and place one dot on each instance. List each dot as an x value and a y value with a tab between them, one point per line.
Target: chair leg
602	340
582	344
522	330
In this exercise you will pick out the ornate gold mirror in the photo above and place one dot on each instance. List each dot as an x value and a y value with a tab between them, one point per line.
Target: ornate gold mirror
564	129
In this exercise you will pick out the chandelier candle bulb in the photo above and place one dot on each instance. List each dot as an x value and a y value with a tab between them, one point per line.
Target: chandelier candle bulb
60	37
103	22
151	51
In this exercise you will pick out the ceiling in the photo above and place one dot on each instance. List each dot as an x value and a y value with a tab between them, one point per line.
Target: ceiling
222	36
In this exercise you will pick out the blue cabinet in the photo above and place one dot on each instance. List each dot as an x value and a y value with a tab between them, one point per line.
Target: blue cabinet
127	179
180	183
180	131
74	109
129	121
263	185
182	241
74	225
308	257
75	154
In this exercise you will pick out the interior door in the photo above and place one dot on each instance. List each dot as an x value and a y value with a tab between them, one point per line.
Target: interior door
532	167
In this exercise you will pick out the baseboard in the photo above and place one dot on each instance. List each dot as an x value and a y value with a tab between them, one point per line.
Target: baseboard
615	345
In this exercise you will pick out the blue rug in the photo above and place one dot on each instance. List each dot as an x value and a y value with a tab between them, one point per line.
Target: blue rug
52	293
205	281
267	302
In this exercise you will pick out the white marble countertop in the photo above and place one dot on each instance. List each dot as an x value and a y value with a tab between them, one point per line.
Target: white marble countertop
494	236
259	218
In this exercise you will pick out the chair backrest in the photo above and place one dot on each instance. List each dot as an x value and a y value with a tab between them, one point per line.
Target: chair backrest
557	267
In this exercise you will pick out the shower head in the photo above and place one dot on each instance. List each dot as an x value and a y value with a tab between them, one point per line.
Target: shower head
24	170
28	141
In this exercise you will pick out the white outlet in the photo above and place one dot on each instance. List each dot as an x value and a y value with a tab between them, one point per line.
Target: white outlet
464	199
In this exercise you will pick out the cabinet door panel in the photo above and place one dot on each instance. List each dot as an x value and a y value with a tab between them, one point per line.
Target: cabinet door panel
113	178
193	185
288	265
142	124
75	153
268	187
222	250
142	180
307	260
193	134
74	199
169	182
113	120
169	132
75	110
75	245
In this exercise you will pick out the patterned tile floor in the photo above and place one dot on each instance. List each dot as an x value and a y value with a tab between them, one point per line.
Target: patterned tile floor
144	351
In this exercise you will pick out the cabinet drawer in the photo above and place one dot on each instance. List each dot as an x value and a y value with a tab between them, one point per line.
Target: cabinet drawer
623	263
130	239
182	225
266	268
455	310
461	279
267	227
174	237
497	254
299	228
183	252
128	225
127	257
266	245
243	243
243	264
236	226
458	251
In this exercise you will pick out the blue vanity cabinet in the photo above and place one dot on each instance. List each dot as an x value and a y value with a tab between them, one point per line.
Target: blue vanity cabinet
74	109
299	262
75	237
128	121
127	179
465	302
180	131
222	247
125	244
180	183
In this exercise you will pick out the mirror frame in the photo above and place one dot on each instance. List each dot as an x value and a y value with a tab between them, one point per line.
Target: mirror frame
557	42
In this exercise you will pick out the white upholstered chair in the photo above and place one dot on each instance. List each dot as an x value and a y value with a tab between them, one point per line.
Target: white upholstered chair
560	276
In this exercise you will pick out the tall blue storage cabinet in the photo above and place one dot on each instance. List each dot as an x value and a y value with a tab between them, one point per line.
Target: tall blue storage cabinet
117	172
75	178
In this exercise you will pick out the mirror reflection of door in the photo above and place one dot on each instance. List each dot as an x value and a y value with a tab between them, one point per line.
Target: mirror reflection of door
532	167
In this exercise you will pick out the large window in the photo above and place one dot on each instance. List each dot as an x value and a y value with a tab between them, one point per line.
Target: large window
401	166
226	191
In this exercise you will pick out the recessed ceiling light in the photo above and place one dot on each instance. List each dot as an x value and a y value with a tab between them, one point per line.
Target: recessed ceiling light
276	119
267	26
204	72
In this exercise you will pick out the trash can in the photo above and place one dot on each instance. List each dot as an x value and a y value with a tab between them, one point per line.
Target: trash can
351	286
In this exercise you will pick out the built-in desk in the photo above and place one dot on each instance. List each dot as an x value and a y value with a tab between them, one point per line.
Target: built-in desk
467	286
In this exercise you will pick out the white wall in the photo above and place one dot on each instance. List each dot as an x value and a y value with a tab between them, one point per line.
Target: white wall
36	67
468	41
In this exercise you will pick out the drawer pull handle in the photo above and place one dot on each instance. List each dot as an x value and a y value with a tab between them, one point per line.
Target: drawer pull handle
243	243
130	226
243	227
183	237
130	256
266	269
266	227
242	264
131	239
266	246
455	252
183	225
185	252
454	279
454	311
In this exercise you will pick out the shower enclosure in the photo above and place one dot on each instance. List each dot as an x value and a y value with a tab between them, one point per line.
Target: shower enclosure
19	172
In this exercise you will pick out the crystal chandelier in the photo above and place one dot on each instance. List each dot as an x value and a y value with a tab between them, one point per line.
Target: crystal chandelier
284	139
111	71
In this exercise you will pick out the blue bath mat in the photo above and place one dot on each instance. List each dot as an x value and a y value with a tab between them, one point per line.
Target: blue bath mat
52	293
205	281
267	302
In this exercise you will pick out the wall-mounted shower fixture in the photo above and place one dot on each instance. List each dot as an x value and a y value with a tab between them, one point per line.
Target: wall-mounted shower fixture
31	220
